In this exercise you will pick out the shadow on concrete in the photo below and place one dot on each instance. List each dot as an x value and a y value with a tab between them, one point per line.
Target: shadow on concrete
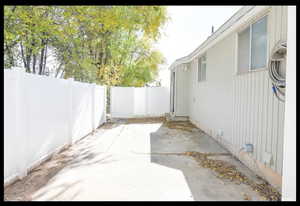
201	181
81	154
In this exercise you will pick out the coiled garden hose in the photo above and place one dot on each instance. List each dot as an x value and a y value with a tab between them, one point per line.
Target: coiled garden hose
277	62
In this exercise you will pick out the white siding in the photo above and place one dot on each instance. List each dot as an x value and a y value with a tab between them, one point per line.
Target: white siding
181	91
211	100
242	106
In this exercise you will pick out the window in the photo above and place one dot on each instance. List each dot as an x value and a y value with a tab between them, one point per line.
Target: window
202	68
252	46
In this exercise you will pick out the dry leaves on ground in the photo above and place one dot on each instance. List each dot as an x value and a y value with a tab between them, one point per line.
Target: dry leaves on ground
230	172
181	125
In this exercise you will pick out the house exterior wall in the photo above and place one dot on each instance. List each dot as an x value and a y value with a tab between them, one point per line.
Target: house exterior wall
181	91
239	108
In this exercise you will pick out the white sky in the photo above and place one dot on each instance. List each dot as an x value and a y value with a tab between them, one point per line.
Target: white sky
188	28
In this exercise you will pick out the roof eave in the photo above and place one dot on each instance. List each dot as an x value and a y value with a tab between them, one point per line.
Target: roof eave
215	37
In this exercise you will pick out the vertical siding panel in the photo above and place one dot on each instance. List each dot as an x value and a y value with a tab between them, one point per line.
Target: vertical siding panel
250	104
284	22
250	125
281	104
234	143
256	108
237	113
263	109
248	110
278	18
234	128
259	115
274	122
234	111
251	138
269	117
237	127
268	143
274	131
265	115
272	25
243	111
240	120
253	111
271	29
275	134
281	22
280	138
280	119
275	100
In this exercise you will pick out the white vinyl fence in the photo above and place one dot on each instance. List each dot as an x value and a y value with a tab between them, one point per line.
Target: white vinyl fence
42	115
129	102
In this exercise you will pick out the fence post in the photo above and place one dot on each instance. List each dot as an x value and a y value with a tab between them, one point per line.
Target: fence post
111	101
147	101
70	97
93	107
22	124
105	103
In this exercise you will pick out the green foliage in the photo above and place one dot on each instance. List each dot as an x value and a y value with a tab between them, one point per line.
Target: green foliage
110	45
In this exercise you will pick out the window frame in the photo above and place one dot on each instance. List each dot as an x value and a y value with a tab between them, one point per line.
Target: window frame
243	28
200	68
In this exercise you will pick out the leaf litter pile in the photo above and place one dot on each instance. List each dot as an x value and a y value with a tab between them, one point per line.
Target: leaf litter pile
227	171
181	125
224	169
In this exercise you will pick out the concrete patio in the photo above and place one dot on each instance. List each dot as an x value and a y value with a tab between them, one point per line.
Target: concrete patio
133	161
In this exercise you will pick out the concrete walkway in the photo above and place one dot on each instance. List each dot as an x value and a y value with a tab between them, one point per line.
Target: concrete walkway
115	164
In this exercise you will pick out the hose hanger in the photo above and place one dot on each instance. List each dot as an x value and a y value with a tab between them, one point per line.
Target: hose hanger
277	68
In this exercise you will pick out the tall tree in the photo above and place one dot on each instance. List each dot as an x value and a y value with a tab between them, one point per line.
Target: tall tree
110	45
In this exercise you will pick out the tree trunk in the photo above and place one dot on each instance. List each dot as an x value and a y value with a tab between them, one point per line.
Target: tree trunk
23	56
10	56
45	59
28	59
62	74
41	61
34	63
58	70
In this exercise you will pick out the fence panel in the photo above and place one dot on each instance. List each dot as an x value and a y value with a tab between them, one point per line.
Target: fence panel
129	102
42	115
46	105
100	105
81	109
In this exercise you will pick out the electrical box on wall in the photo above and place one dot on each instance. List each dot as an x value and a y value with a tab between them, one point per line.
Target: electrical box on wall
248	148
267	158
